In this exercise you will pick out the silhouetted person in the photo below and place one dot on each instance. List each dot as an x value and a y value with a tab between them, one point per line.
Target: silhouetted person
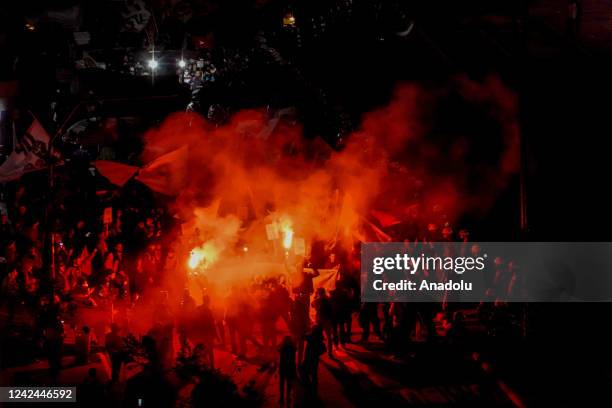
54	345
82	345
163	335
314	348
323	308
286	368
115	349
246	322
369	316
306	285
341	314
207	328
387	328
300	320
186	308
457	329
10	291
428	312
232	314
574	11
268	317
91	391
282	302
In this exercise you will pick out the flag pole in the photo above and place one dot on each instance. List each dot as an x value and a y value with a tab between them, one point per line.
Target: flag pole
51	182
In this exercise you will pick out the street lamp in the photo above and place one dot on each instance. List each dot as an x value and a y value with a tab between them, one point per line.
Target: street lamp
153	64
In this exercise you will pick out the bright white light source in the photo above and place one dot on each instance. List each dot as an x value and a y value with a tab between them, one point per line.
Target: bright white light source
153	64
182	63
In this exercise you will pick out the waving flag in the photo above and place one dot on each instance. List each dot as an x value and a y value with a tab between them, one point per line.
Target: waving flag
385	219
116	173
327	278
135	16
30	152
167	174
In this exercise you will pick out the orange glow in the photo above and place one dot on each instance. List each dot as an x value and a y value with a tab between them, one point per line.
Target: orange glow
245	179
289	20
287	230
203	257
195	258
287	238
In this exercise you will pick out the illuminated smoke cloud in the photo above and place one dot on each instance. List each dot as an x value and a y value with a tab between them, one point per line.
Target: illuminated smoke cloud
242	178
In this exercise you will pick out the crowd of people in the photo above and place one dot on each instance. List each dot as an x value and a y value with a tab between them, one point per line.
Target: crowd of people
89	267
115	284
121	267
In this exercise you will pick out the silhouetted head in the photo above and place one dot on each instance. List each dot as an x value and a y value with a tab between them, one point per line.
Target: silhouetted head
206	300
287	341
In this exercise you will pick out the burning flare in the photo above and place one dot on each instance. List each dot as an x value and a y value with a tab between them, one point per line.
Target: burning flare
287	230
203	257
196	257
246	189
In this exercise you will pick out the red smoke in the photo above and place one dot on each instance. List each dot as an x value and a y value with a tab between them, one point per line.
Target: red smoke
241	177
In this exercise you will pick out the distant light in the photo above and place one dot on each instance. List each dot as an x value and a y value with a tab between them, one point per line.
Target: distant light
289	20
182	63
30	27
153	64
245	248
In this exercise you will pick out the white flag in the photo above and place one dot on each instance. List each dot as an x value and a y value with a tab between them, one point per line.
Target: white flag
30	152
135	16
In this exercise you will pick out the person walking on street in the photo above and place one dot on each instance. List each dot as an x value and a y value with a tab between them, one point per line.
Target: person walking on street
314	349
115	349
286	368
